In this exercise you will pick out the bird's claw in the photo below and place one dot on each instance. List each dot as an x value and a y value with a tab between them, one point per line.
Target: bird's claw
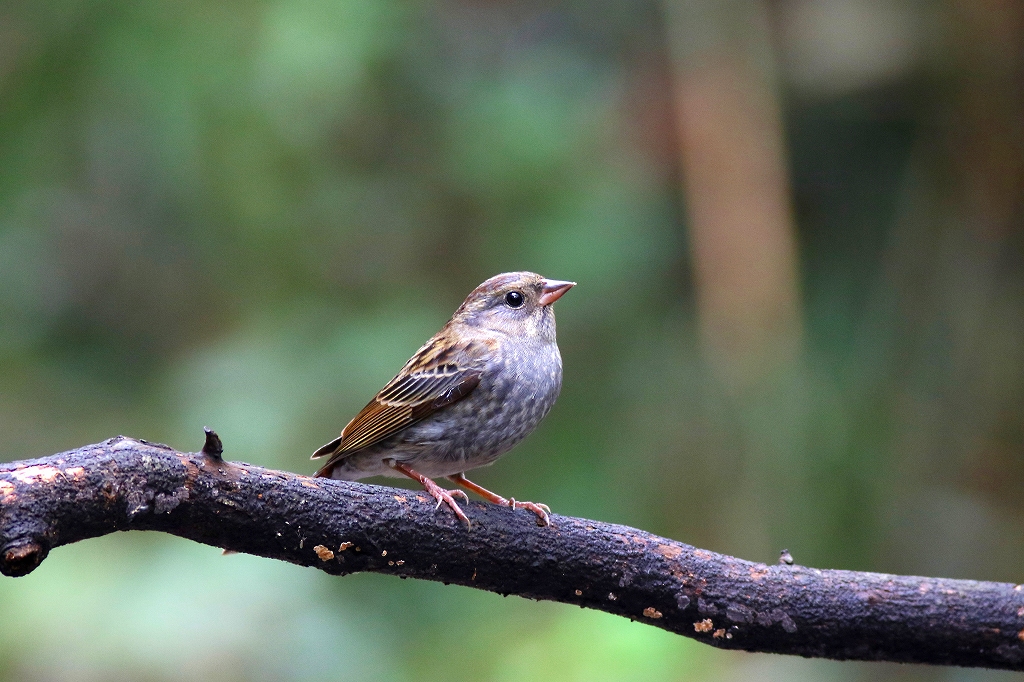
450	493
447	497
541	510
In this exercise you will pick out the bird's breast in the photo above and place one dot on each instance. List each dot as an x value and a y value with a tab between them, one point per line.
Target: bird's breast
515	393
517	388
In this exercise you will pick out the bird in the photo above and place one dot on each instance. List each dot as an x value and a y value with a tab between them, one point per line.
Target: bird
472	392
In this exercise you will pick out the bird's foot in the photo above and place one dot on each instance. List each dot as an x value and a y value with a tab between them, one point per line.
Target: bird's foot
437	492
541	510
446	497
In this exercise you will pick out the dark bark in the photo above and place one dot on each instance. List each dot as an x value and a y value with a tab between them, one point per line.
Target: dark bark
340	527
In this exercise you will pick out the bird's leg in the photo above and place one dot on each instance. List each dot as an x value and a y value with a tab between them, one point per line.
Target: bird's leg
436	491
541	510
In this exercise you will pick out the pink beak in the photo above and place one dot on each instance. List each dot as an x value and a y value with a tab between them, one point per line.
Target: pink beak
553	290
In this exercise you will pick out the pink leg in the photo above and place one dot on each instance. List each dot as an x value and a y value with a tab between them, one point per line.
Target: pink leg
436	491
541	510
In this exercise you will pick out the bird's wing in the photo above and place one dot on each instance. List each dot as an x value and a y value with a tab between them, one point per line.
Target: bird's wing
405	400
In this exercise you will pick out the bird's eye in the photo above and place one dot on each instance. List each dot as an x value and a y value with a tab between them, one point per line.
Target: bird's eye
514	299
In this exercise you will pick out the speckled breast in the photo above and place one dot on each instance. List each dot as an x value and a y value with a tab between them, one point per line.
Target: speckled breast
516	391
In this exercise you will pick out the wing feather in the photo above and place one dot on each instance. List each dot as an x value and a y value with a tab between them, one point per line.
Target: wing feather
408	398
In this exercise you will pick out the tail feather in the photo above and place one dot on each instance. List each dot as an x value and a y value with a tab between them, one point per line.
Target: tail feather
325	470
328	449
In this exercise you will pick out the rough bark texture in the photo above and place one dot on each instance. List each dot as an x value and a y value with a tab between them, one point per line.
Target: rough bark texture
341	527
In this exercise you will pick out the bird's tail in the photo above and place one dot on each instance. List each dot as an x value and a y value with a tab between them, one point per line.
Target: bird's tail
327	450
324	471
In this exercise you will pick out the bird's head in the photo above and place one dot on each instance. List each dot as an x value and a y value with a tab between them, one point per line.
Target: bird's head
516	303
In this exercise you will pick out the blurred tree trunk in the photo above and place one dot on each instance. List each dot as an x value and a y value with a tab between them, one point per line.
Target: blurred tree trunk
735	184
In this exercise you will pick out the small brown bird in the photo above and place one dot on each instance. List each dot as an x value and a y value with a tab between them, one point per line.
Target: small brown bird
471	393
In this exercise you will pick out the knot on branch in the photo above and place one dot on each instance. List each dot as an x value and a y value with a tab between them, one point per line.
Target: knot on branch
21	558
212	448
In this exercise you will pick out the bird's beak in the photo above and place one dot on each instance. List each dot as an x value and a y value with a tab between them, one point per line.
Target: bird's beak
553	290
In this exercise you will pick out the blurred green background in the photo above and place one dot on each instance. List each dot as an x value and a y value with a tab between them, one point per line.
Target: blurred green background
796	227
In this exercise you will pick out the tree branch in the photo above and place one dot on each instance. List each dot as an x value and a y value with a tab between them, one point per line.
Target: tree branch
341	527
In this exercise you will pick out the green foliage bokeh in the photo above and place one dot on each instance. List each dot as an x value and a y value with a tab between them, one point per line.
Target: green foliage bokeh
248	215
